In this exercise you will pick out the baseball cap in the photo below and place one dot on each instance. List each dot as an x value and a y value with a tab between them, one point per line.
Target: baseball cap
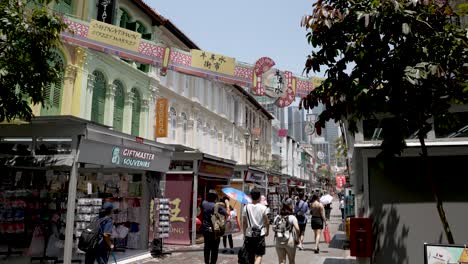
108	206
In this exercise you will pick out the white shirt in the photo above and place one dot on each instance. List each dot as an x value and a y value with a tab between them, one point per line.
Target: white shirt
256	214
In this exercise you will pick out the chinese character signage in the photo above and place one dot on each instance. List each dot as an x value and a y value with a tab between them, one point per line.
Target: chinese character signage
340	181
213	62
161	117
179	190
105	12
113	35
131	158
275	83
282	132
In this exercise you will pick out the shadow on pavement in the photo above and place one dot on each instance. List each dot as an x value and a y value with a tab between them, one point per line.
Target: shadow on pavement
338	261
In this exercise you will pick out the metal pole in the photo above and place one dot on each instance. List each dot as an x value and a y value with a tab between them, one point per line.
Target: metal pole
194	202
71	206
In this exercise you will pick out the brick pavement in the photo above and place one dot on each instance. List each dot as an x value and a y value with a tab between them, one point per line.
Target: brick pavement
329	254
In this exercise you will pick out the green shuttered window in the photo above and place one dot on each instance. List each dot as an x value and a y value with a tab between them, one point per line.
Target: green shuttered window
119	103
136	112
99	98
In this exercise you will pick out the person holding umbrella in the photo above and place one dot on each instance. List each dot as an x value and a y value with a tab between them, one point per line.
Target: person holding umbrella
318	219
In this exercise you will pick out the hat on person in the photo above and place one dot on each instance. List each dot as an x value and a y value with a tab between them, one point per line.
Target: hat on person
108	206
212	191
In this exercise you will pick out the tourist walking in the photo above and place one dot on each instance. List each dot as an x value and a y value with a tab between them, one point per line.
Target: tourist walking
255	227
300	211
101	252
342	206
318	220
287	232
211	247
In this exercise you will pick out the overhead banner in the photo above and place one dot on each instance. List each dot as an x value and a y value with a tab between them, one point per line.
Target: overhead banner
213	62
179	191
113	35
161	117
253	176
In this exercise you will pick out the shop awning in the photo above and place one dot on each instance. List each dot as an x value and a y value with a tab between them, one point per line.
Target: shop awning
37	161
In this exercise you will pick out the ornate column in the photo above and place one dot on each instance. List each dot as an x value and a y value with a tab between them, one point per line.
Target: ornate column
68	83
128	108
151	117
79	99
190	134
193	128
109	107
144	117
89	96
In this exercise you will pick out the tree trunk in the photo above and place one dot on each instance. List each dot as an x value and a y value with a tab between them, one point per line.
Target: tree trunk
435	191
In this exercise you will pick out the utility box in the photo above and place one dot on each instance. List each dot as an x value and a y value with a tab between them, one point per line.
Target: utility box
361	242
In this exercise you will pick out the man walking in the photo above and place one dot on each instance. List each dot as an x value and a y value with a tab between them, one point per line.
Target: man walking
256	227
300	211
211	247
100	254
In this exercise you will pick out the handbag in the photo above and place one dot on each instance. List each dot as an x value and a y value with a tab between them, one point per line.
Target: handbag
326	235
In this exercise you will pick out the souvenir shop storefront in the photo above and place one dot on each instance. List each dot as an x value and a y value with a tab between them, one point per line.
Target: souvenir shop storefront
190	177
56	174
296	186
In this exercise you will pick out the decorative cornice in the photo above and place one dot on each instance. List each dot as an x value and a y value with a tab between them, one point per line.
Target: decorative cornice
81	56
145	104
70	72
130	96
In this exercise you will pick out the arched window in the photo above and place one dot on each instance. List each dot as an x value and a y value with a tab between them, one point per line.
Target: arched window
119	103
53	92
99	97
124	18
200	133
173	115
136	109
184	128
215	141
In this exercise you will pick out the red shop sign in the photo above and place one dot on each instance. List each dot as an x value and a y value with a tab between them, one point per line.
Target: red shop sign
179	191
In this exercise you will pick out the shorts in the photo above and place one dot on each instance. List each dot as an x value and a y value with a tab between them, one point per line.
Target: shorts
302	228
316	223
255	245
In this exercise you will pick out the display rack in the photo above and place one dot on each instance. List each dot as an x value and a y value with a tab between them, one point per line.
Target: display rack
162	225
87	210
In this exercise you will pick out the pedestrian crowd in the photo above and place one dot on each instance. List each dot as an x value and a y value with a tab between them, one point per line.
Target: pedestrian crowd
288	227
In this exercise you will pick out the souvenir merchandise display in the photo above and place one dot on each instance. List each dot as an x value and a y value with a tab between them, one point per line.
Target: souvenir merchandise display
124	191
87	210
161	217
30	200
274	205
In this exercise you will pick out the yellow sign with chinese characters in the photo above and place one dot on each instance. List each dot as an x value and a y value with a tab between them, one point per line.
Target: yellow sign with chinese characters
176	211
113	35
213	62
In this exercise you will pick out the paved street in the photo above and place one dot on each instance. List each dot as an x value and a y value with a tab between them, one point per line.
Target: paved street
329	254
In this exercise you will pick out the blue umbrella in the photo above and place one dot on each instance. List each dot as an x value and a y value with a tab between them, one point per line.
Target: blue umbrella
237	195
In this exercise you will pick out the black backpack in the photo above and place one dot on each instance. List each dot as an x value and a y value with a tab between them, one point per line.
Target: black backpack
91	235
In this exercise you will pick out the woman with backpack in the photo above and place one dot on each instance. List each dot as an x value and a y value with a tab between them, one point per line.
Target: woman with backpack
211	239
287	231
318	219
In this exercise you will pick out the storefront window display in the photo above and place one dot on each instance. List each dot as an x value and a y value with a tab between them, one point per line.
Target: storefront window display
32	212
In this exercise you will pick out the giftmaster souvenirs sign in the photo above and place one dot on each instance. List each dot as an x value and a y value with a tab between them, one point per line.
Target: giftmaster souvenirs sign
131	157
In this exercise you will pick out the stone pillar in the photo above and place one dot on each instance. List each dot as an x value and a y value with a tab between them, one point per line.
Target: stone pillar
127	119
190	133
89	96
179	130
67	95
144	117
78	98
109	107
154	95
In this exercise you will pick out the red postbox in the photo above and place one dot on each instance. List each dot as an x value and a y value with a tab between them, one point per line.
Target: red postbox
360	240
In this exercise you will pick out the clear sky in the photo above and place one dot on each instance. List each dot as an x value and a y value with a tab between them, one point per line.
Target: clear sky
244	29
